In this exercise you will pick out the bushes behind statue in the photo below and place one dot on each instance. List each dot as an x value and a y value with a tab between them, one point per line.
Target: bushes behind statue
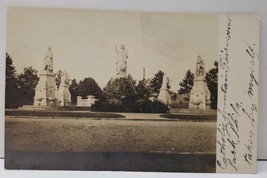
140	106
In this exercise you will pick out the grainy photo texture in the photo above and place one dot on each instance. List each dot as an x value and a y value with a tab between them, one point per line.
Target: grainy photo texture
111	90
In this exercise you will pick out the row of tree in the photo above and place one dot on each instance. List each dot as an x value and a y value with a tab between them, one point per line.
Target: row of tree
20	88
125	93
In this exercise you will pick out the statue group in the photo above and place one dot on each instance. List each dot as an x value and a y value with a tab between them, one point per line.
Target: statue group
46	92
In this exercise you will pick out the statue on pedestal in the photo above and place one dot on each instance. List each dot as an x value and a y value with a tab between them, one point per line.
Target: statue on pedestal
122	57
200	94
164	94
45	91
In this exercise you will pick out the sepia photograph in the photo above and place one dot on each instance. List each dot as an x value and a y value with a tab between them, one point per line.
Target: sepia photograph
111	90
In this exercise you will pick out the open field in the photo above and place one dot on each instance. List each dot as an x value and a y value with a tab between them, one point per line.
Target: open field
172	142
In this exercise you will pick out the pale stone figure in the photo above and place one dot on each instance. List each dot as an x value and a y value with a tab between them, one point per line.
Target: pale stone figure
200	94
64	96
48	60
200	67
164	94
45	91
64	77
122	57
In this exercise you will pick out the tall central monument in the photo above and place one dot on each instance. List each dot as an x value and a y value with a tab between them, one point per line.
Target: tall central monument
200	94
122	57
45	91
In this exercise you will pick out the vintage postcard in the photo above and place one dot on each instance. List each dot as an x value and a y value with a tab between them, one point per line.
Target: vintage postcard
131	91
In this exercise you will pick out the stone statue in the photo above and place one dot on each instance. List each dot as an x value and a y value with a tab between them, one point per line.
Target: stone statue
164	94
64	96
48	60
46	90
164	81
199	94
64	77
200	67
121	60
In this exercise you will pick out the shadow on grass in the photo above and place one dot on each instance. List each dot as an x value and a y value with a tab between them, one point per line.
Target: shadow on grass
62	114
110	161
191	117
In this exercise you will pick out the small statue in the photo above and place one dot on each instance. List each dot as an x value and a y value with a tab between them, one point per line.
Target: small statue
200	67
64	77
48	60
122	57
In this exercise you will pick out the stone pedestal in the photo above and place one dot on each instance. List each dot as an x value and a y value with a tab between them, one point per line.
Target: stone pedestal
200	94
64	97
45	91
89	101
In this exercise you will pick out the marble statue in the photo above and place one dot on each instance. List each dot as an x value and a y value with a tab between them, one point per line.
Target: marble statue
122	57
200	67
45	91
64	96
200	94
48	60
64	77
164	94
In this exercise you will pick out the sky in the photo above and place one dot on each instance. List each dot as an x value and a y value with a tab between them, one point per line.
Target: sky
83	41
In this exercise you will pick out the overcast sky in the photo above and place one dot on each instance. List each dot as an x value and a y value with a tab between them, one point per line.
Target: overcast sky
83	41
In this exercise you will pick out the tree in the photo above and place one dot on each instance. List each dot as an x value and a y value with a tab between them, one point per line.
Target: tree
27	82
58	78
11	96
186	85
74	87
156	82
120	90
89	87
212	82
143	90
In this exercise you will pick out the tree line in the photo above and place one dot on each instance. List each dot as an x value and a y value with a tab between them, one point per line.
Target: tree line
118	95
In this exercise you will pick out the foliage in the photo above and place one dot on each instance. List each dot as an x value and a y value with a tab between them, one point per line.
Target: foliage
143	90
27	82
58	78
186	85
156	82
11	96
212	81
156	106
140	106
120	90
73	88
20	89
88	86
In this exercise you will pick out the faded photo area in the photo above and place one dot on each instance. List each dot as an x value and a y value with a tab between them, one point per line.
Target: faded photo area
111	90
